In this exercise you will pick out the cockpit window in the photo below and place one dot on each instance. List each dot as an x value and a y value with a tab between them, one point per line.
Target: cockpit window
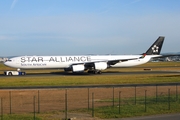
9	60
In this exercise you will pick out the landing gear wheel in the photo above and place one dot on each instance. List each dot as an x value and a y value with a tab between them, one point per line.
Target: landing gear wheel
97	72
94	72
23	73
10	73
90	71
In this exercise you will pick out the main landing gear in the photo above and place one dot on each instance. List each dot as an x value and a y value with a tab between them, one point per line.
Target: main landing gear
95	72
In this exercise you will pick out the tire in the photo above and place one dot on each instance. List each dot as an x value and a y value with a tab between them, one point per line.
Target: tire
23	73
10	73
99	72
90	72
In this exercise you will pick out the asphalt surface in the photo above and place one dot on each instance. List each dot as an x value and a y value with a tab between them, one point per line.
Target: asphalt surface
87	74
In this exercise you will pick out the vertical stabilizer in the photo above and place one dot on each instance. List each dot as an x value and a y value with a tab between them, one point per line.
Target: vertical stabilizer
155	48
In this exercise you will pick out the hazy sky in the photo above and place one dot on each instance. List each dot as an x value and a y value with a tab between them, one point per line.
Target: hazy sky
60	27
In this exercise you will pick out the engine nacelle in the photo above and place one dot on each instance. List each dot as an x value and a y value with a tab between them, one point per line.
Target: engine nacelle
100	65
78	68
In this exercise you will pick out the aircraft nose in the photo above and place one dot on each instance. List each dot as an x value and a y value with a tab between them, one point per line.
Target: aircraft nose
7	63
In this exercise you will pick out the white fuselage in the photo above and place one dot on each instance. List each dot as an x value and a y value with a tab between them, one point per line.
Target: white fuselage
58	62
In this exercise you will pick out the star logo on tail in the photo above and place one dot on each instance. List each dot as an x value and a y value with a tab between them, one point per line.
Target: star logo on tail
155	49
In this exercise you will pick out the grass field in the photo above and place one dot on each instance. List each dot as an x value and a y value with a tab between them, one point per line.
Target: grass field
95	79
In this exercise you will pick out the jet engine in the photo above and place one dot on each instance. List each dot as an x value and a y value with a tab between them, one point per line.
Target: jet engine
100	65
78	68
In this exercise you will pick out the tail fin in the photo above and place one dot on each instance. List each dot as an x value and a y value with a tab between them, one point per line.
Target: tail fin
155	48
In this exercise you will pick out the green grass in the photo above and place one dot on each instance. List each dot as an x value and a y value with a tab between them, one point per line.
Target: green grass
135	110
19	117
87	80
129	109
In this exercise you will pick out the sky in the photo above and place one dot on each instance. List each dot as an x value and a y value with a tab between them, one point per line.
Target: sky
76	27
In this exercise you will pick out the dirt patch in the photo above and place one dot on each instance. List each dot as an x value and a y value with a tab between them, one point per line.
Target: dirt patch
24	101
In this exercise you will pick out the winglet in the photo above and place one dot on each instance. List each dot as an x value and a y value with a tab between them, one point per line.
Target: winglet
155	48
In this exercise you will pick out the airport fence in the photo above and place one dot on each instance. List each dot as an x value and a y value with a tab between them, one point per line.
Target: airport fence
66	100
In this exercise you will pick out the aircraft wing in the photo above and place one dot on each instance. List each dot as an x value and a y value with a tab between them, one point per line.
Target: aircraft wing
109	62
113	62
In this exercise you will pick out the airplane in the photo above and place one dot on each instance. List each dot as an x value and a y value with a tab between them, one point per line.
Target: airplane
90	63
